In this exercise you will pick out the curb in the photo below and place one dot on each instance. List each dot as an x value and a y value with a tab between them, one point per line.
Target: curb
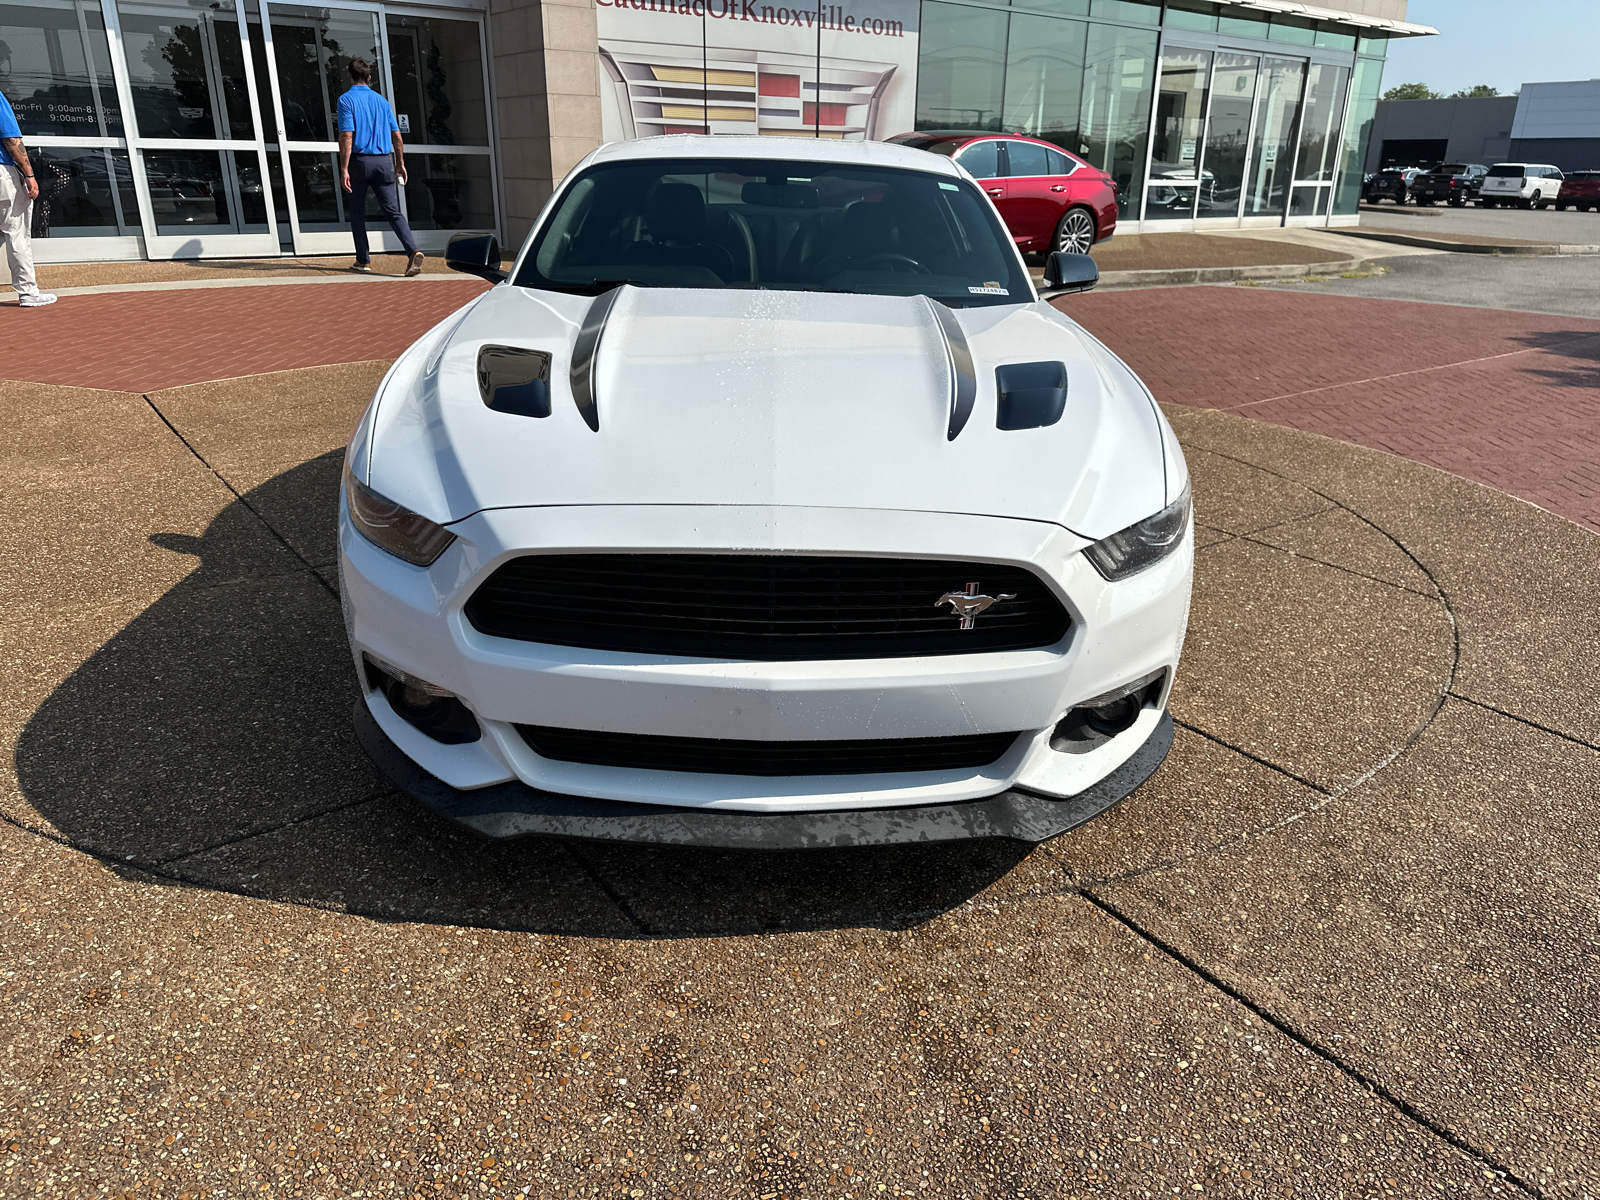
1180	275
1547	249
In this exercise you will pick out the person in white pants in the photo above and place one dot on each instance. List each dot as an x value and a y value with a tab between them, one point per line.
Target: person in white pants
18	190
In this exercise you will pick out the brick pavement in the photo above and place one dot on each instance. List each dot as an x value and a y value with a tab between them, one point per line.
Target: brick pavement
145	341
1508	399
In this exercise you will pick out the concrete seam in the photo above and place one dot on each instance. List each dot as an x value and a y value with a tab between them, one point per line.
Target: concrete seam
604	885
1566	737
1328	796
1366	1082
1243	753
200	458
1400	587
1333	387
255	833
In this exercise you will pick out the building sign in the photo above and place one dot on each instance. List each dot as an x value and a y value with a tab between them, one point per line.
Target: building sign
833	70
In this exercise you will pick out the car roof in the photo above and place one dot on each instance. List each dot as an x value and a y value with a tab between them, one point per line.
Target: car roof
785	149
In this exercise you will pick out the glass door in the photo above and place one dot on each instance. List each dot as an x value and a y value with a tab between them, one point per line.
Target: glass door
310	49
1227	141
1175	180
199	162
1272	148
1317	158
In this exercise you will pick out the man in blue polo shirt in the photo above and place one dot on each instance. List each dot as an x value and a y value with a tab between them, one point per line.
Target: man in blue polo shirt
371	155
18	190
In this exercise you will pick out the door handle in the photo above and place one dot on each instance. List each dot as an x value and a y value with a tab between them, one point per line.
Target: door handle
996	191
1059	187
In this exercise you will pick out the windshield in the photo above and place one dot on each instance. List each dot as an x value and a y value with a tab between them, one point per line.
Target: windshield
759	223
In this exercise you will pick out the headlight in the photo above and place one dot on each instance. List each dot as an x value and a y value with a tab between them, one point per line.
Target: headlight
391	527
1142	544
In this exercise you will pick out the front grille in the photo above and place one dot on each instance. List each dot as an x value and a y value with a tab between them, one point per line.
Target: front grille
764	607
720	756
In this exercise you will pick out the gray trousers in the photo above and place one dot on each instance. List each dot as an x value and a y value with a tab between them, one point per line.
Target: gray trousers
16	229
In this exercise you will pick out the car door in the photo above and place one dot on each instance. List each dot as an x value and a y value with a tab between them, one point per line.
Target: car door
986	162
1030	208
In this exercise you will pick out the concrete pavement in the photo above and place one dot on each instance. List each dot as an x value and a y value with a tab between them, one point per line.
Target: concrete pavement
1340	945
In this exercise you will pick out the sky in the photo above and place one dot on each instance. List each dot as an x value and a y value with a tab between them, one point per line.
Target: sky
1504	43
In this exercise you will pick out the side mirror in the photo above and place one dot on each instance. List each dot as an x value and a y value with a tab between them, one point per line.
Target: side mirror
1066	274
475	254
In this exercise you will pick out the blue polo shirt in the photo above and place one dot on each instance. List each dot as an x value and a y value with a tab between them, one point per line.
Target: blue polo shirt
367	115
8	128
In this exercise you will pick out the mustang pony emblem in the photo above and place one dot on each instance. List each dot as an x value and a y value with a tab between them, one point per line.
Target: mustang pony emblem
968	604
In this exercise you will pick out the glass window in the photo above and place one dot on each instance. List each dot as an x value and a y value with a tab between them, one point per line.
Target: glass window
1309	202
437	69
190	190
1065	8
1044	75
449	191
1147	12
1114	121
961	67
1319	141
1027	158
1175	176
83	193
1191	14
689	223
313	46
186	68
1336	37
55	65
1357	132
982	159
1276	119
1240	24
319	199
1293	29
1059	164
1376	46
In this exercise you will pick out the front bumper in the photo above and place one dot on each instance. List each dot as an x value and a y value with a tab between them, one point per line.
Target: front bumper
508	810
412	619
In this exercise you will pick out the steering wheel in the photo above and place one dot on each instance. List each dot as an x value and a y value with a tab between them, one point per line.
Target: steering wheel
912	264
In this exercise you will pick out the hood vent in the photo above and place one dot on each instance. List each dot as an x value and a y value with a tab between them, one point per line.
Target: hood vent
515	381
963	376
584	352
1031	395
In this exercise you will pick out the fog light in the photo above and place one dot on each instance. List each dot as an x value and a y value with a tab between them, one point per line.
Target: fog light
425	706
1096	721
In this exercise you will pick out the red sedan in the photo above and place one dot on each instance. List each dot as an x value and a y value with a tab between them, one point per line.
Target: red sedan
1048	198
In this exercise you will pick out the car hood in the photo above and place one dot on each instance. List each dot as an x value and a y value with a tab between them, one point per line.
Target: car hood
764	398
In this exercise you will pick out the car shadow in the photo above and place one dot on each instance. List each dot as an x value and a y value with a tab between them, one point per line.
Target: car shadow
209	744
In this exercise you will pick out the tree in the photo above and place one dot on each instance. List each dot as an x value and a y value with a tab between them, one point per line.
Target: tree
1412	91
1481	91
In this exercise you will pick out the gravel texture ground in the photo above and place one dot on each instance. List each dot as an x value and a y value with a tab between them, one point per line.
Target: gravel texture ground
1339	946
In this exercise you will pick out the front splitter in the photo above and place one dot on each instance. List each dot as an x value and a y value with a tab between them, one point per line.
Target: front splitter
514	809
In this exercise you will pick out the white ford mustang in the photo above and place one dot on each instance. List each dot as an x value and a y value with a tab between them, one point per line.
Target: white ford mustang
765	504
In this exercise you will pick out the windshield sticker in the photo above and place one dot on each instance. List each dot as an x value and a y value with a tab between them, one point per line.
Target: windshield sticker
950	187
989	289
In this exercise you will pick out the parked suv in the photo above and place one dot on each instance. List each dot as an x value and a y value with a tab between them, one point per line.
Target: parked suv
1527	185
1580	189
1454	183
1049	199
1390	185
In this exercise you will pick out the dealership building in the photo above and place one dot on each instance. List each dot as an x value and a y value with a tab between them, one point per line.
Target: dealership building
1549	123
203	128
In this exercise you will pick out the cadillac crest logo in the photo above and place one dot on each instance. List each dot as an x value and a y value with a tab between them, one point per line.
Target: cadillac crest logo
968	604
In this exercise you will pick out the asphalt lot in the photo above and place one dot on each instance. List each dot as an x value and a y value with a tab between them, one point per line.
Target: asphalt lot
1534	225
1341	945
1562	286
